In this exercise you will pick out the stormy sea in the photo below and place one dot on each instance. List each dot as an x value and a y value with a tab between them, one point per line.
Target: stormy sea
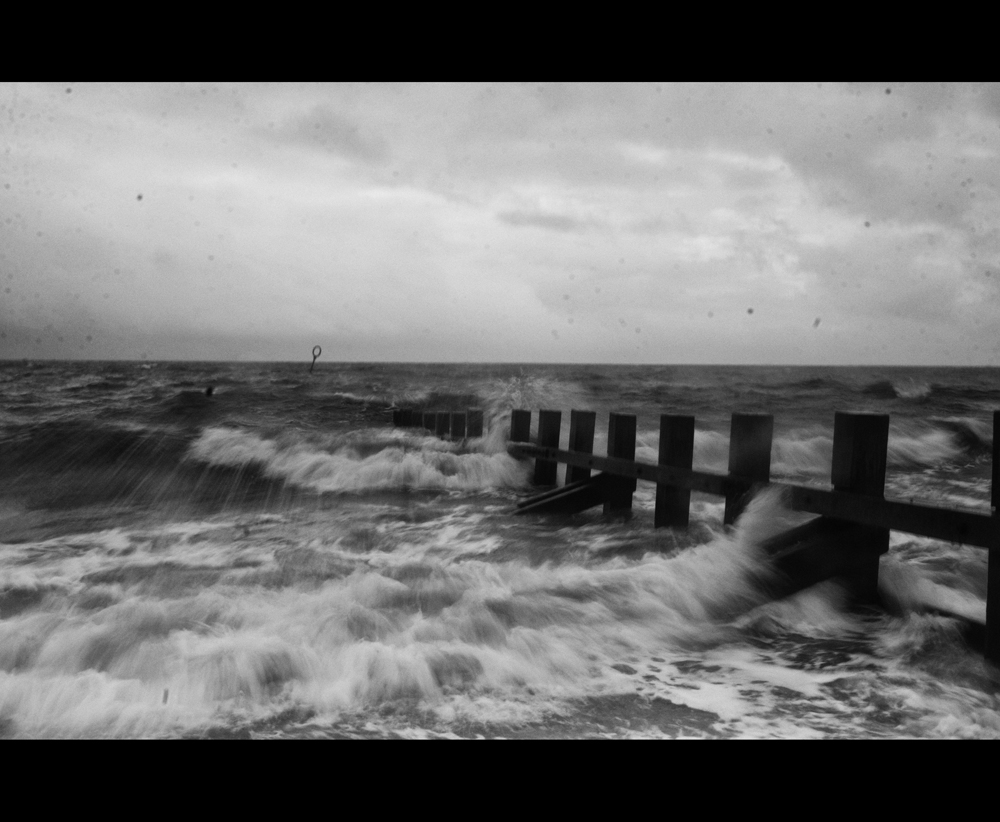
253	550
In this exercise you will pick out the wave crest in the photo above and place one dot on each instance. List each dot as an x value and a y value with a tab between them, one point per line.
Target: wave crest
909	389
424	463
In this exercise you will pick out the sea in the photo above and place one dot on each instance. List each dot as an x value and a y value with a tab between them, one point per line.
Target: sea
275	559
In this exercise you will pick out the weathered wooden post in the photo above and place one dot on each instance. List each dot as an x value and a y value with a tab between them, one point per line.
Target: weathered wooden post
474	426
520	425
993	557
582	425
621	443
443	426
749	456
860	448
548	437
458	425
673	504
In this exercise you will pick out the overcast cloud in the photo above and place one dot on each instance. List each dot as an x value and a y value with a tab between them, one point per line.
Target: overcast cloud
792	223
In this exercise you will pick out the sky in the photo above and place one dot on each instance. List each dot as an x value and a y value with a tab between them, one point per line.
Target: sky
806	223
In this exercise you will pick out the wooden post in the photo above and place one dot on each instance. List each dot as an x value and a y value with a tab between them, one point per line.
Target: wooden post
582	425
749	456
458	425
443	426
673	505
995	488
548	437
474	425
993	557
860	448
520	425
621	443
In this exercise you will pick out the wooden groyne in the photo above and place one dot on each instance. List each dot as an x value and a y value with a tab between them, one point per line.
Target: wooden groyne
455	425
845	540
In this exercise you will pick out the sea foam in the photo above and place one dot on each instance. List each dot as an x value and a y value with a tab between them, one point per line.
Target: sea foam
423	463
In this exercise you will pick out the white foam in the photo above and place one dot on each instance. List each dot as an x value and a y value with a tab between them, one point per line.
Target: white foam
926	448
436	466
912	590
446	633
912	389
421	613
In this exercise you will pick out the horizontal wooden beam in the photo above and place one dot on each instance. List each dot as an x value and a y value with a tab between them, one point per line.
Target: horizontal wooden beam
569	499
952	525
949	524
705	481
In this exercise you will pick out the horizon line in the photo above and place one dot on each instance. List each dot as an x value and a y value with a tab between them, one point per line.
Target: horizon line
31	360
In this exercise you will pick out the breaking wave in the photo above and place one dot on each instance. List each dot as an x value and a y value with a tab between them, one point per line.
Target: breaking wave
903	389
146	654
386	460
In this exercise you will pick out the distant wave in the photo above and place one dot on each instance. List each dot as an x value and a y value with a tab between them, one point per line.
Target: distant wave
814	384
912	390
97	384
922	390
438	400
905	389
362	399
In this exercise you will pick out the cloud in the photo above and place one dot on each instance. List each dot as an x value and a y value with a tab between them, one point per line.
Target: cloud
402	219
323	128
553	222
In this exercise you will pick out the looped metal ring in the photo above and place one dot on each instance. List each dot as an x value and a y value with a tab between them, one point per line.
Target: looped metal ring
316	352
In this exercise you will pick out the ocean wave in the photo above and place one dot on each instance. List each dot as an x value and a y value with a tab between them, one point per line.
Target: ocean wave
307	464
909	389
69	444
468	639
363	399
973	435
922	450
71	465
814	384
796	453
805	454
951	440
